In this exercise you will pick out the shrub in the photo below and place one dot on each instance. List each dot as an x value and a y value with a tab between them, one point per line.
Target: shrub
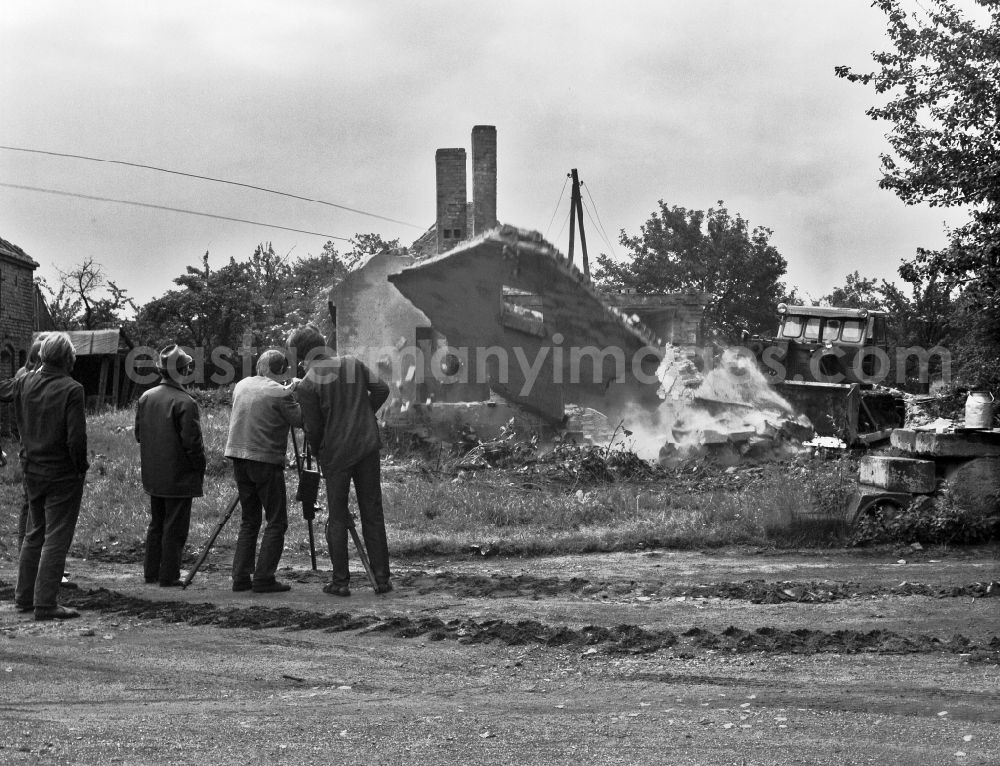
928	521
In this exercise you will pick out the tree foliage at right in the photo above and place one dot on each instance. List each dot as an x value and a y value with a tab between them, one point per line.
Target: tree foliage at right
940	90
714	252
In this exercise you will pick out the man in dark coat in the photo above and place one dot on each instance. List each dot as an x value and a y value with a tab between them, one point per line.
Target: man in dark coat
172	456
7	395
339	397
49	410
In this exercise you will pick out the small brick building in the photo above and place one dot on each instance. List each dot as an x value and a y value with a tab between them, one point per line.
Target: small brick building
22	312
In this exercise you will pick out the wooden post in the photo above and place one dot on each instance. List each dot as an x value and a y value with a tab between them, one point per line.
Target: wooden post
102	384
583	235
116	382
572	212
576	215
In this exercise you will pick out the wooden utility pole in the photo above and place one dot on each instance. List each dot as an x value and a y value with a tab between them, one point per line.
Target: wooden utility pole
576	215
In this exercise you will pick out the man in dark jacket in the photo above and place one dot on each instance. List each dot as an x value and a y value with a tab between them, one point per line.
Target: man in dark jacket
339	397
172	456
263	411
49	410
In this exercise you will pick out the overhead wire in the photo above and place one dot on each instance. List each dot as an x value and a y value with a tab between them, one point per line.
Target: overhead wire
170	209
209	178
556	211
596	227
563	227
600	224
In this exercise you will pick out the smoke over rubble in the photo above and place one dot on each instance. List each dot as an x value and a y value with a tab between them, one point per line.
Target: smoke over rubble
729	413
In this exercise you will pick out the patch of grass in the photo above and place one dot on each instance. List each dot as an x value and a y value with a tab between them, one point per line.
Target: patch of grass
496	512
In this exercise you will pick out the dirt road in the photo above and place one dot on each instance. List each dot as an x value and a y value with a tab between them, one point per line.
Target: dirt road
720	657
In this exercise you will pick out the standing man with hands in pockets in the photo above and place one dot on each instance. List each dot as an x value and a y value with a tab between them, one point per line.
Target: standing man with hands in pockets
339	397
49	410
263	411
172	456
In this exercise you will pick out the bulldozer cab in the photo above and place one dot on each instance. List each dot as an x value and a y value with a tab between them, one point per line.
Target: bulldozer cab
826	361
816	324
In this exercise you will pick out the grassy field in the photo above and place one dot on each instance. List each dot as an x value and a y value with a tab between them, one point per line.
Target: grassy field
435	510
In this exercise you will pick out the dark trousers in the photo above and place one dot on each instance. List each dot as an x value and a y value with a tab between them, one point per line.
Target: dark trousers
170	519
53	508
366	475
262	488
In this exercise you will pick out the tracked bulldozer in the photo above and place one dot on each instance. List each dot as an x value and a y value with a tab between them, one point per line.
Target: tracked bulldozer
828	364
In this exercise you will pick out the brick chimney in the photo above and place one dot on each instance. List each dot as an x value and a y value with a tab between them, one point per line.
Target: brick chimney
451	198
484	178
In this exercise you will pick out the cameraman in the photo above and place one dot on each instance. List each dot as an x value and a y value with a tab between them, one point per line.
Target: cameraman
339	397
263	411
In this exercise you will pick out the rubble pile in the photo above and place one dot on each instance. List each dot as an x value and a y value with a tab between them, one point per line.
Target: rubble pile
564	460
729	414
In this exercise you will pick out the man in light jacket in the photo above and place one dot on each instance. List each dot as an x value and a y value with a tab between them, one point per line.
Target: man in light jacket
263	411
339	397
172	456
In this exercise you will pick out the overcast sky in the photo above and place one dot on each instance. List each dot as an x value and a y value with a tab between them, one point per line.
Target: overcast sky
346	102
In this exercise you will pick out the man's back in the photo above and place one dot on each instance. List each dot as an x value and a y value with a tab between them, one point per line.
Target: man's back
168	429
339	397
49	409
263	410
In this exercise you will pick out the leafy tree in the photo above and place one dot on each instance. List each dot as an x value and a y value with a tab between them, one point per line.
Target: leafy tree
252	303
714	252
941	83
86	299
856	293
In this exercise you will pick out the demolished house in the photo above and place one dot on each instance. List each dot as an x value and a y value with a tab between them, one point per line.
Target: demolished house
479	324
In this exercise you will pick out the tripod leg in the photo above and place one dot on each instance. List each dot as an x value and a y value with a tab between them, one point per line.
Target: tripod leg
312	544
362	553
211	541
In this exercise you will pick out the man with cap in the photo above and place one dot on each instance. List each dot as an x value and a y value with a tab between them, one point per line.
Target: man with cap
172	457
263	411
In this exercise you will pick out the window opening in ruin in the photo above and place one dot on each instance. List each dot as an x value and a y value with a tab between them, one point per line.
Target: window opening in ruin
792	327
522	311
812	329
852	332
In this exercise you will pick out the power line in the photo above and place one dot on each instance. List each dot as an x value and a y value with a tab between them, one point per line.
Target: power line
558	203
170	209
209	178
597	227
600	223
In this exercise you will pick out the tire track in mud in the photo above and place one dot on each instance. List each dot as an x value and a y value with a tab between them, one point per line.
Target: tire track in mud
590	639
753	591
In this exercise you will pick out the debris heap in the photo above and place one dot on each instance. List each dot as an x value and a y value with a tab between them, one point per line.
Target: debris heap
729	413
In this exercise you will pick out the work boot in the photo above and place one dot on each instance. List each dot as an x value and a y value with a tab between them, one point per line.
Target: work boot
383	587
242	586
54	613
336	590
